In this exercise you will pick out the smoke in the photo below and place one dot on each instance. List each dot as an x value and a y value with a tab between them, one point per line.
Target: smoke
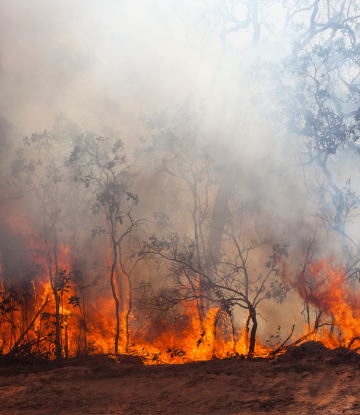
108	60
104	63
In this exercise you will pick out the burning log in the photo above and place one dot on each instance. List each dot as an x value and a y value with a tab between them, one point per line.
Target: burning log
14	349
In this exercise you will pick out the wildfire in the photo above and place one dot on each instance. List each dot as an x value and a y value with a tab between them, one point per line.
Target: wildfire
324	287
87	319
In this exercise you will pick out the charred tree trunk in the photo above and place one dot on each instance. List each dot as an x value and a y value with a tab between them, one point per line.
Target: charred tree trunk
246	334
253	334
122	302
252	315
308	315
113	290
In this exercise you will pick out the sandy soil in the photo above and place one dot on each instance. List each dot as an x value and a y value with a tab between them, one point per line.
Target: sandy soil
307	380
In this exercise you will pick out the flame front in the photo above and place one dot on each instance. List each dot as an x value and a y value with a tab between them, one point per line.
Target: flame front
89	325
325	288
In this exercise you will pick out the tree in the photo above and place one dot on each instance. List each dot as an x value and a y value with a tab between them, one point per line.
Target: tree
211	276
222	285
316	27
100	164
297	21
313	101
181	154
44	180
77	278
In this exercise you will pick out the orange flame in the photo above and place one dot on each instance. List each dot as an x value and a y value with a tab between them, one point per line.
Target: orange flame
323	286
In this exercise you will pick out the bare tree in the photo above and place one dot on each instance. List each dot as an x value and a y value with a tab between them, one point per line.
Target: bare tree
183	155
223	285
100	164
310	98
198	271
44	179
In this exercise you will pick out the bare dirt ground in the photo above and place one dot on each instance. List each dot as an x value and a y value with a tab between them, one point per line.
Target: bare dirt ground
309	379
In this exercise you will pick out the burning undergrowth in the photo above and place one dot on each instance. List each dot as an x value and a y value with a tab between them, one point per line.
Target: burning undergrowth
175	334
88	270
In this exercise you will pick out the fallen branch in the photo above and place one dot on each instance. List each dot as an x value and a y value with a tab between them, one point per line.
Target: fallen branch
16	345
302	338
352	342
276	351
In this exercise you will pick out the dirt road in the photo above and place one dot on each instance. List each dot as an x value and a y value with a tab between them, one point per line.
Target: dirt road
315	383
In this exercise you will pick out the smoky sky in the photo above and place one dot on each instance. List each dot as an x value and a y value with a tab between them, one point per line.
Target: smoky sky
106	62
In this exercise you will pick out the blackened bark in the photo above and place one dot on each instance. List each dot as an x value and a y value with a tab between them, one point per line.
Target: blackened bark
113	290
252	314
